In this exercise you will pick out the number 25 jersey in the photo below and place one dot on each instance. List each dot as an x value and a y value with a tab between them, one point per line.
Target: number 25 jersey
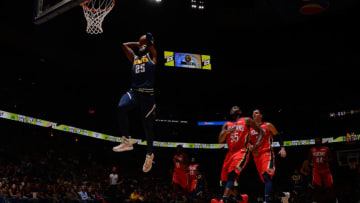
143	72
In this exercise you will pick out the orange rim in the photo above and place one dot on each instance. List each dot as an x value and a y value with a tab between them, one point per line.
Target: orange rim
84	5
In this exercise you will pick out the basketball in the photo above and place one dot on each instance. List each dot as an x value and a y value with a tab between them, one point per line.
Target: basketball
143	40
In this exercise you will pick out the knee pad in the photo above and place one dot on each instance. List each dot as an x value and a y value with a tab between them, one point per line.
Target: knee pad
232	175
266	177
230	184
231	179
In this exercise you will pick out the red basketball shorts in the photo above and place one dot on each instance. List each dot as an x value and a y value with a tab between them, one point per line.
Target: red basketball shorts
265	162
233	162
322	177
180	179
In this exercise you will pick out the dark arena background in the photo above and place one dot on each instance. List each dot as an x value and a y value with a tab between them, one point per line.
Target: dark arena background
295	60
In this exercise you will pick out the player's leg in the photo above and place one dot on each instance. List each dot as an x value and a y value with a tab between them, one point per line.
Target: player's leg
231	191
241	198
175	186
148	115
191	189
329	187
265	164
224	174
179	181
268	186
175	191
317	183
239	162
127	103
231	177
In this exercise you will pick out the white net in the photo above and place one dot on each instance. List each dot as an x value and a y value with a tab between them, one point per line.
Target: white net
95	12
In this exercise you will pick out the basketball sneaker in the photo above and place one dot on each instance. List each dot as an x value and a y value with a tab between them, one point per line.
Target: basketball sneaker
245	198
125	145
148	162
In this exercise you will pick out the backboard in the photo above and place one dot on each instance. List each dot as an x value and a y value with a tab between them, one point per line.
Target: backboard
48	9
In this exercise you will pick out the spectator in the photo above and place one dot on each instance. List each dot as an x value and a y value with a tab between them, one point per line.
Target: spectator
297	187
49	194
74	193
60	192
124	195
135	196
70	196
91	194
56	193
201	190
67	197
99	197
37	194
21	193
13	194
306	171
27	190
84	195
140	196
113	187
3	194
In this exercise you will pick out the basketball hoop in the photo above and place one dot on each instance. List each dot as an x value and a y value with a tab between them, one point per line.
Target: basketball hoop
95	12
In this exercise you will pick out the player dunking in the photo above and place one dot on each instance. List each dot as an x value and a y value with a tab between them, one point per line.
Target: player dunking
236	134
320	156
140	95
265	158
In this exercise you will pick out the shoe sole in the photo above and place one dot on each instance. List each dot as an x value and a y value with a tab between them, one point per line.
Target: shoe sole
128	149
147	170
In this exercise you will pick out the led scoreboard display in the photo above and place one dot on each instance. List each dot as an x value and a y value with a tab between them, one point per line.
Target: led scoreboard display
187	60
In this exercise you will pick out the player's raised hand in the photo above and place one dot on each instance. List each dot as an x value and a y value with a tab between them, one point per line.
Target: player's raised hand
149	39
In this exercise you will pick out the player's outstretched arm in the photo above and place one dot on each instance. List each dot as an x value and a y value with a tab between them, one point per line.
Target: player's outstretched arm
251	123
151	47
273	130
127	47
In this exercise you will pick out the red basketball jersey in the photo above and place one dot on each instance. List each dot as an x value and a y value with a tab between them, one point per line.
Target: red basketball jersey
239	138
318	158
193	170
265	144
180	167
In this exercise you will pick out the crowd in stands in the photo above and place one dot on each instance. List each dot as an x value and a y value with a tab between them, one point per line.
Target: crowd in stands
77	175
50	178
54	178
